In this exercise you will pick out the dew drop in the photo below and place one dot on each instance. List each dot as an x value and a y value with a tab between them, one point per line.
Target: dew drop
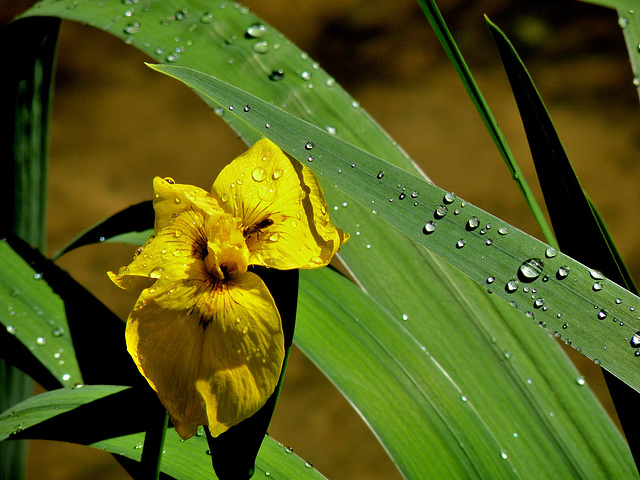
258	174
429	227
503	230
511	286
405	317
261	47
246	108
539	302
602	314
597	287
310	158
473	223
256	30
306	75
562	273
440	212
41	341
460	243
380	175
37	276
276	75
596	275
530	269
635	340
415	194
132	28
449	197
309	145
491	279
550	252
11	329
580	380
623	22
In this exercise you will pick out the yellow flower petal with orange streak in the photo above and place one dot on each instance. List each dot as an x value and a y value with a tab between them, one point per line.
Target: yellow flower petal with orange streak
171	199
212	350
284	214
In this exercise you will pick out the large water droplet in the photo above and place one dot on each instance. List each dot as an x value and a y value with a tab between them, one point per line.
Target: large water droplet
258	174
562	272
276	75
132	28
449	197
635	340
550	252
511	286
473	223
257	30
429	227
380	175
460	243
261	47
596	275
309	145
440	212
530	269
41	341
602	314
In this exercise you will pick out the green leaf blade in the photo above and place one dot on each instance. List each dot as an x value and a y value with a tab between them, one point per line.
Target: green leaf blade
35	315
484	254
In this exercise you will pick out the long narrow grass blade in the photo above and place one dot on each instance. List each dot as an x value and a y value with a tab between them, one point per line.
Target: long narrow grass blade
438	25
629	21
132	225
579	229
25	86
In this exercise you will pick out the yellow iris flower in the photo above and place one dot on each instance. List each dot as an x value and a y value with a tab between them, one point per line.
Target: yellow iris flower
205	332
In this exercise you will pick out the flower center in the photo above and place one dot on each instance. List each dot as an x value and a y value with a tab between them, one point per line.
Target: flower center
227	251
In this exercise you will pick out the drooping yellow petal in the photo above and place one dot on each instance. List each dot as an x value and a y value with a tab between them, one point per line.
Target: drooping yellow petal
171	253
172	198
283	210
212	350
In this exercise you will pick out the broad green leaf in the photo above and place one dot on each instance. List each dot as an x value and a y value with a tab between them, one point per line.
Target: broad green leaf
35	315
511	265
421	407
438	25
468	332
181	459
190	460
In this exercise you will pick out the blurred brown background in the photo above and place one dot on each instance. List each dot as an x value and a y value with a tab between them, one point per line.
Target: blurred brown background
116	124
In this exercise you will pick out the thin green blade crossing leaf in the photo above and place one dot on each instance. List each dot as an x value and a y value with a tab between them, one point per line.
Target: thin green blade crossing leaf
573	215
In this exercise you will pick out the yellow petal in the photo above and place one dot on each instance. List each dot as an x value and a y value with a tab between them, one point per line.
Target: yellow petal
170	253
172	199
284	214
212	350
